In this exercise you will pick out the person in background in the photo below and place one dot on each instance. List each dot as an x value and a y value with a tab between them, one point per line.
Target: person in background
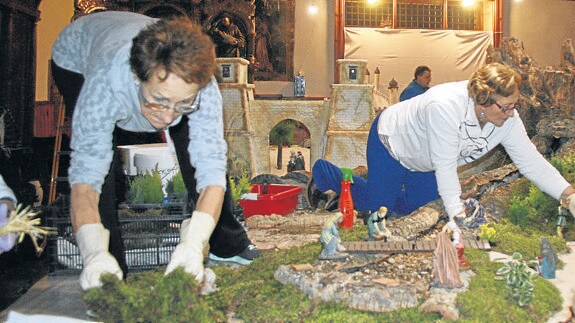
122	70
420	83
7	204
415	147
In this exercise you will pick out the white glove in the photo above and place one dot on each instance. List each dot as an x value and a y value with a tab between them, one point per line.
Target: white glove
194	236
449	227
571	201
7	241
93	241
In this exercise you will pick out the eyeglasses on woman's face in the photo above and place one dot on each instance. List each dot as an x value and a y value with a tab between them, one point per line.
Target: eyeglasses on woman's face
507	108
178	108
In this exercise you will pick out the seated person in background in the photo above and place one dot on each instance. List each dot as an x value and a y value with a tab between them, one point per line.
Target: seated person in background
7	204
420	83
414	147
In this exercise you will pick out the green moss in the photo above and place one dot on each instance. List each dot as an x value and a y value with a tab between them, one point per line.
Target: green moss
513	238
151	297
530	208
499	307
252	293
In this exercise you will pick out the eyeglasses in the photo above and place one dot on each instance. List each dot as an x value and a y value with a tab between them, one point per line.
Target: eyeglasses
515	106
182	109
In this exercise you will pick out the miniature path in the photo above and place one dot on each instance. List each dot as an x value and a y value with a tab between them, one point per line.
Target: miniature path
406	246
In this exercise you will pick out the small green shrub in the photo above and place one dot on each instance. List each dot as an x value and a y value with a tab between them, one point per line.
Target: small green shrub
518	278
488	233
240	186
176	185
144	189
520	211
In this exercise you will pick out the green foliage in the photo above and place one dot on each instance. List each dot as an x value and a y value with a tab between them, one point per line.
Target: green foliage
518	278
531	208
254	295
145	189
520	211
240	186
475	307
565	165
513	238
175	297
282	134
488	233
176	185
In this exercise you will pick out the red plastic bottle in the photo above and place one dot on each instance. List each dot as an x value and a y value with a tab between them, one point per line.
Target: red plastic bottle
345	200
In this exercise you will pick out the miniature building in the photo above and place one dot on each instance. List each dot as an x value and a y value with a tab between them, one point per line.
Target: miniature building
352	71
232	70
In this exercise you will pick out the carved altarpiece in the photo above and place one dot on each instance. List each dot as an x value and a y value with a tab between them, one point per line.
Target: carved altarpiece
275	33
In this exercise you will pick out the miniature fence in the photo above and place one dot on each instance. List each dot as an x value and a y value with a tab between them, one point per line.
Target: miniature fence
150	233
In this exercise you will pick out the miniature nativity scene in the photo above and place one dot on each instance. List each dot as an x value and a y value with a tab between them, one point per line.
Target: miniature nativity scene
361	265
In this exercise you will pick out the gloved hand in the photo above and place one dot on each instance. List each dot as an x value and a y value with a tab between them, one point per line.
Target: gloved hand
7	241
194	236
449	227
93	241
571	204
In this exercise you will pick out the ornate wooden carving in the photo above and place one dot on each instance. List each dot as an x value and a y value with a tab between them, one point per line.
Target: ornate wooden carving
277	15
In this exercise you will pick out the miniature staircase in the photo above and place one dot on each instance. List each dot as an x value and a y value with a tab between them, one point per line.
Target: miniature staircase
406	246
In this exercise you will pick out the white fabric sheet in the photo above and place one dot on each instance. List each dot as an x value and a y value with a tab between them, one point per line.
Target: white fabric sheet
452	55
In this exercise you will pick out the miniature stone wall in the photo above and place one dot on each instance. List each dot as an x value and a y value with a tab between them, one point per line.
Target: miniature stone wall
338	127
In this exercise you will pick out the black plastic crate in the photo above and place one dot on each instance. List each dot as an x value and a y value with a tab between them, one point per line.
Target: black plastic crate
150	233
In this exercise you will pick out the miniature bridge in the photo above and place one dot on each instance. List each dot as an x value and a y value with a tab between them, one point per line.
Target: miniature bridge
406	246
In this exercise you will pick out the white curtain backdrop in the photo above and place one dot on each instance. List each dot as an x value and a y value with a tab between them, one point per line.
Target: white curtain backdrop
452	55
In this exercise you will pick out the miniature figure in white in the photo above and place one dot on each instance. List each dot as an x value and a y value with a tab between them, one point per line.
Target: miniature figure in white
330	240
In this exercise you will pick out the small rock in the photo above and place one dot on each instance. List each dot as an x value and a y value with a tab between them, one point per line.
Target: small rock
302	267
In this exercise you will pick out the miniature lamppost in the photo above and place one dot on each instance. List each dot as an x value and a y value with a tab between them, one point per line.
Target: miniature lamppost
562	212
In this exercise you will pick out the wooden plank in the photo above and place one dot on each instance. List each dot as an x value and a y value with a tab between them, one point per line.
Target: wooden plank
419	245
406	245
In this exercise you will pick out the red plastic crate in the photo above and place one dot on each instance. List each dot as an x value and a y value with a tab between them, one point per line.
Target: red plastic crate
280	199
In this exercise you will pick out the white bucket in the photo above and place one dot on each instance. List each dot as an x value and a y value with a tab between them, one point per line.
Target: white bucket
129	151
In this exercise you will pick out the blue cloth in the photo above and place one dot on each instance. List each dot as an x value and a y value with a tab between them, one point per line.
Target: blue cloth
412	89
389	184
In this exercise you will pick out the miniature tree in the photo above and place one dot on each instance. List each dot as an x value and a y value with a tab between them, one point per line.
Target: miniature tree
146	188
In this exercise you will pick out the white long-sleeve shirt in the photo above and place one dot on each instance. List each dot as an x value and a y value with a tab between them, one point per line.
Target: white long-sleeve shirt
439	131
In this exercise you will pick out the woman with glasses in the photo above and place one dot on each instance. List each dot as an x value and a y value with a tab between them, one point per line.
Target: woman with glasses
121	71
415	147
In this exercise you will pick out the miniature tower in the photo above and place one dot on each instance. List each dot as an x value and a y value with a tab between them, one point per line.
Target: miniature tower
393	91
232	77
367	77
351	115
376	77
